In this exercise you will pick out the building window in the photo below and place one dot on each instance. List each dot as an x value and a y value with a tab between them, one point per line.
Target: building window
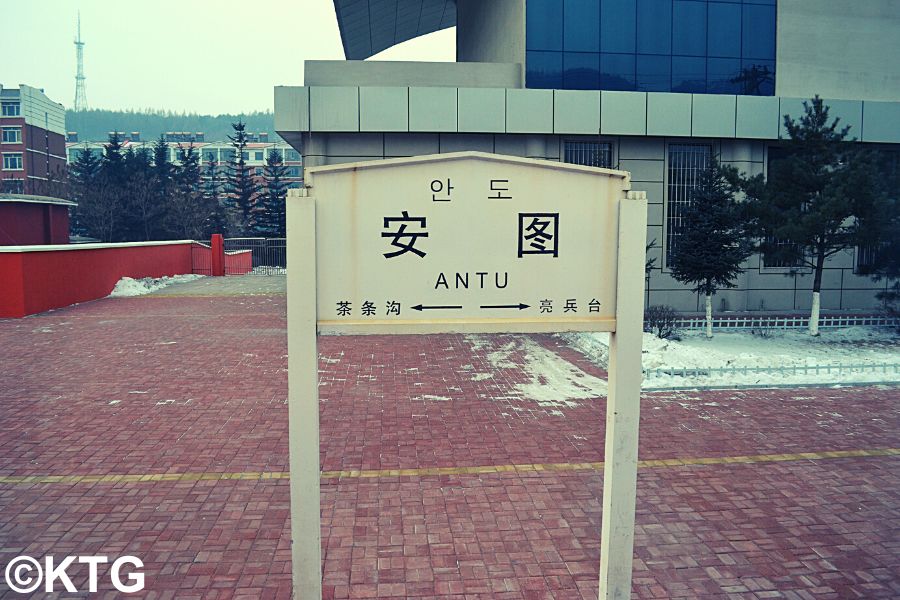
258	156
771	262
12	135
686	162
10	109
12	186
591	154
12	161
292	172
258	171
867	257
291	155
696	46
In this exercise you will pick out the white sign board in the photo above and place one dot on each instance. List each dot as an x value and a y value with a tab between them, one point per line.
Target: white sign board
466	242
455	242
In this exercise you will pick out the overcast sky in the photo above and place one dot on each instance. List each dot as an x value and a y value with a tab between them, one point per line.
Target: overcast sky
206	56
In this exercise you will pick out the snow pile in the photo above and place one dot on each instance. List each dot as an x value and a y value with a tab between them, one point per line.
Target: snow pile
551	380
782	349
128	287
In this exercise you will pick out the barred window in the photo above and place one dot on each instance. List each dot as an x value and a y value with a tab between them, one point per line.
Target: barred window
591	154
770	262
12	186
686	162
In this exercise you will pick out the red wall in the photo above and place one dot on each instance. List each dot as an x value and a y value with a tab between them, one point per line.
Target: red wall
37	281
33	223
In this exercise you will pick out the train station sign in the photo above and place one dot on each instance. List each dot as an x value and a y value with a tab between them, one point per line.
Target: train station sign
466	243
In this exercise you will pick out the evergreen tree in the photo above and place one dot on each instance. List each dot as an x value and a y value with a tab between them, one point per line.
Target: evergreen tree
815	198
110	210
188	209
713	239
240	186
268	214
212	188
142	197
163	169
83	174
882	235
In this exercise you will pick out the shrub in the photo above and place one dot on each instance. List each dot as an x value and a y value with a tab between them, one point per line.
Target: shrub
660	321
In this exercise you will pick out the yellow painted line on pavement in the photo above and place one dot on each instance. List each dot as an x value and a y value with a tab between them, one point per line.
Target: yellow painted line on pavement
439	471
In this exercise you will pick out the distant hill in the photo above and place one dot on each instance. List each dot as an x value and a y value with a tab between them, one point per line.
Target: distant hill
95	125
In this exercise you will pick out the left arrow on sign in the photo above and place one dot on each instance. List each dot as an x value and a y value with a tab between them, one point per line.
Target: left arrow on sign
420	308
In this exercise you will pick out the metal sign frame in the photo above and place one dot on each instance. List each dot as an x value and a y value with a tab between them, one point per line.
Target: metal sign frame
622	407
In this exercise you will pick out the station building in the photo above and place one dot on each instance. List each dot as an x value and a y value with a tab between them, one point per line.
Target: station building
654	87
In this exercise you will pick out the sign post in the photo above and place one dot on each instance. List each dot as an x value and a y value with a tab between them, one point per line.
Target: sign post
303	400
623	405
466	243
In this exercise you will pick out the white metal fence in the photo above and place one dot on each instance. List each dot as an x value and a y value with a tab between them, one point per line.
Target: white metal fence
786	322
893	369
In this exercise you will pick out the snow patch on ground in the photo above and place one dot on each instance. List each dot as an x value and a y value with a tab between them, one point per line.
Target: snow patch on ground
551	380
779	349
128	287
430	398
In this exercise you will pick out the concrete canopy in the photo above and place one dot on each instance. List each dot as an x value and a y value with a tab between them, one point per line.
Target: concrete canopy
370	26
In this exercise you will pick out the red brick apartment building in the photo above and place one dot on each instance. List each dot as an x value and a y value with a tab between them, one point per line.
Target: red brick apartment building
32	143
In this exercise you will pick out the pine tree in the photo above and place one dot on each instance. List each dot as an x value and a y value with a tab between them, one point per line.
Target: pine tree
815	198
713	239
240	186
268	214
144	210
110	211
188	209
212	188
83	174
163	169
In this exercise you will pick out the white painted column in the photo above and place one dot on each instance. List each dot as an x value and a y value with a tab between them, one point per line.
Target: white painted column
303	397
623	404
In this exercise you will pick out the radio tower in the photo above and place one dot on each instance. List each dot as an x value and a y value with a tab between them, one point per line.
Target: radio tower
80	95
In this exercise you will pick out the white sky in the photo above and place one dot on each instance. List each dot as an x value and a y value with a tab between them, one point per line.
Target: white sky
179	55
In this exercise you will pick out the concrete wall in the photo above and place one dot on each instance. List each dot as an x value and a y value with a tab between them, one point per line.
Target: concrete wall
838	49
491	109
41	278
490	31
408	73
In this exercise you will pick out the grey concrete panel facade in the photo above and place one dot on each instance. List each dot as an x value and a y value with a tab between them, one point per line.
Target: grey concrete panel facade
432	109
576	111
529	111
383	109
844	50
478	39
411	74
713	115
623	113
669	114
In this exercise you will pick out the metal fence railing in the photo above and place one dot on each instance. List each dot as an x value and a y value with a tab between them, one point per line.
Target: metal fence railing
269	255
786	322
839	369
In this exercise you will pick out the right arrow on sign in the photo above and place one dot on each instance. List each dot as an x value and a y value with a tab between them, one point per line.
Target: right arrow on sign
520	306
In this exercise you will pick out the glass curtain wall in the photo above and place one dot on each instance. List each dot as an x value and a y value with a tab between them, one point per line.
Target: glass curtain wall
691	46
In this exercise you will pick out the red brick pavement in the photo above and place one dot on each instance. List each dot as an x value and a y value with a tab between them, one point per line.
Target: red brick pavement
172	385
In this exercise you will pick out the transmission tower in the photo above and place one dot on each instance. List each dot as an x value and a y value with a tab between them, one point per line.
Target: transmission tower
80	95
